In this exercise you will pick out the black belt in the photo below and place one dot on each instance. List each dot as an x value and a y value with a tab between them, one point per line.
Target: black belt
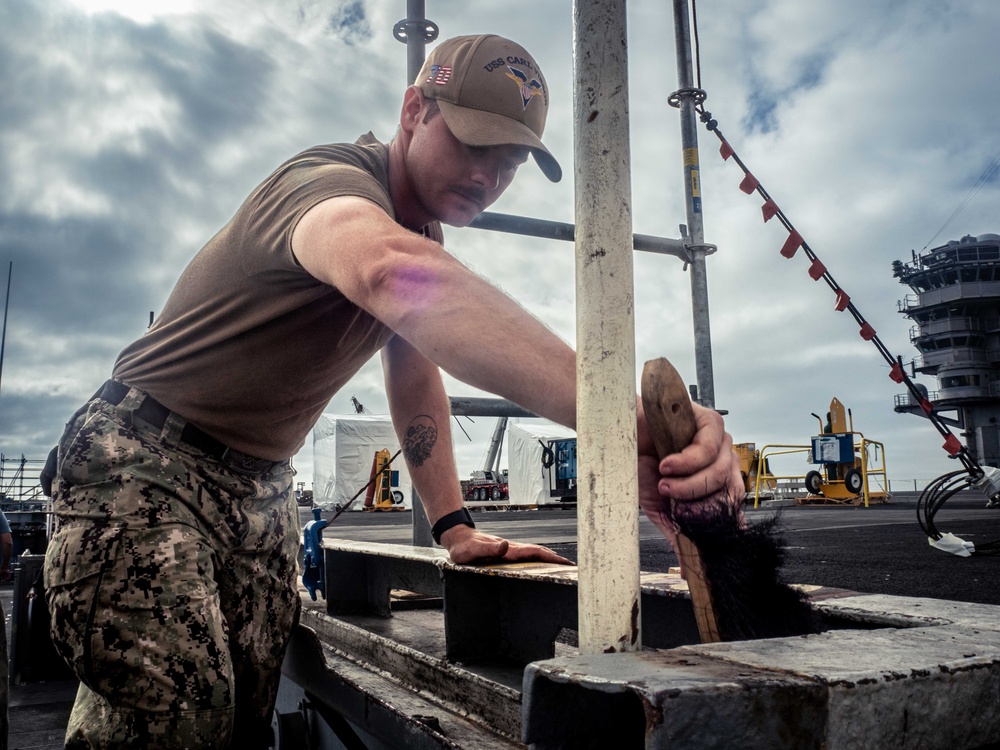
155	414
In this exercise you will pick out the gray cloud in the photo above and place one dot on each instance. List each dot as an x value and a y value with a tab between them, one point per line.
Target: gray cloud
125	144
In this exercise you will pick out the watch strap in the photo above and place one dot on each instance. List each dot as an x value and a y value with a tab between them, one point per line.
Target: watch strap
455	518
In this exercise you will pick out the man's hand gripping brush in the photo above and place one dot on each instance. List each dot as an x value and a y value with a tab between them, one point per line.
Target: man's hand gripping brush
732	565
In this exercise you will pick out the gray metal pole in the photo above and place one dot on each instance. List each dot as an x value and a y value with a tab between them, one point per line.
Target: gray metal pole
416	31
6	306
476	406
558	230
686	99
608	514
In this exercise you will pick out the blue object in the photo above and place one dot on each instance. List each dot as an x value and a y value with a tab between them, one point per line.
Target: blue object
565	451
312	564
833	449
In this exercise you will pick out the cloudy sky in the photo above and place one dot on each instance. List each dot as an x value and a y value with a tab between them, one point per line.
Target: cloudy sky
130	131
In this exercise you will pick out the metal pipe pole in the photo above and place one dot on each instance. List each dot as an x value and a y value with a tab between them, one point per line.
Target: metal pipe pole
686	99
607	507
6	306
415	31
476	406
558	230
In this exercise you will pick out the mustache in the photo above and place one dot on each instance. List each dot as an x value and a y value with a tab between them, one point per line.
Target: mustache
472	193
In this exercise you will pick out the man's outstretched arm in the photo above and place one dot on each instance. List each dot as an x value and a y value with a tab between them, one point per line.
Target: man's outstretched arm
439	306
416	288
422	417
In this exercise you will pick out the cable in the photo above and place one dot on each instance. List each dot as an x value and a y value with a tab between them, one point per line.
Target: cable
986	176
697	44
367	485
933	498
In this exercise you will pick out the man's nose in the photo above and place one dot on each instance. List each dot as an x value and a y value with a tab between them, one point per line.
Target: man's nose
486	172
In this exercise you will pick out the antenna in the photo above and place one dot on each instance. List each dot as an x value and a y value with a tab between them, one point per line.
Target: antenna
6	305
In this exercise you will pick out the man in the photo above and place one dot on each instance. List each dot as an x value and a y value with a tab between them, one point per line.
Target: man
171	578
6	552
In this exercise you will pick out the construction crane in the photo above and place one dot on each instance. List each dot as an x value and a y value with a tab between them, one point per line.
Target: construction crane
489	483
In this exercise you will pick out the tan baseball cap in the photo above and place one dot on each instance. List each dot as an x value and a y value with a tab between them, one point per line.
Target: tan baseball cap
491	93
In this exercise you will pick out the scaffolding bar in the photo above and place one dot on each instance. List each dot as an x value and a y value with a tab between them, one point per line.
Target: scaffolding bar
415	31
475	406
560	230
687	98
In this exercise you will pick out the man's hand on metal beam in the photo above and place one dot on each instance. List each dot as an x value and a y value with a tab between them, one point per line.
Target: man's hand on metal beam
466	545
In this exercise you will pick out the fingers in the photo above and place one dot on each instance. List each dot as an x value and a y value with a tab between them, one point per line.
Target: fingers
477	547
483	548
706	445
536	553
706	468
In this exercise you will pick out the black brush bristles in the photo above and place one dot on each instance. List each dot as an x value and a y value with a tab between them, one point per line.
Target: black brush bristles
742	563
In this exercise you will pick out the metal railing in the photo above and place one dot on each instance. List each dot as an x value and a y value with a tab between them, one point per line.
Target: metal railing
762	461
19	487
872	471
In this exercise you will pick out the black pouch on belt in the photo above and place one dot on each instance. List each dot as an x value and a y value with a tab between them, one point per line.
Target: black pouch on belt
48	473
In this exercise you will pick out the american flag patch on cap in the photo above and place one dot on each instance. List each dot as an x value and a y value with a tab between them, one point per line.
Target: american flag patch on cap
440	74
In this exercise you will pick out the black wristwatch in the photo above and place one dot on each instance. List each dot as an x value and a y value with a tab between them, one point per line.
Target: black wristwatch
460	516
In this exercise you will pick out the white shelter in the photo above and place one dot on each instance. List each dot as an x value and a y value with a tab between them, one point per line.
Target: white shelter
527	479
343	448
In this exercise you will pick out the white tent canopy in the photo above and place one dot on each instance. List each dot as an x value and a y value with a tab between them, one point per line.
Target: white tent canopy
343	449
528	480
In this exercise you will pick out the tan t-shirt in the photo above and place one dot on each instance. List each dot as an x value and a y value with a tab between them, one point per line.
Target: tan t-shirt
249	346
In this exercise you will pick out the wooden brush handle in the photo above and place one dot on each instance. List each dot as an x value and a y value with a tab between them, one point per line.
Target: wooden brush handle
668	407
672	425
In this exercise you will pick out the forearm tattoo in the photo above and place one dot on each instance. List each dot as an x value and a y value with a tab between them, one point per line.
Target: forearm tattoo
420	438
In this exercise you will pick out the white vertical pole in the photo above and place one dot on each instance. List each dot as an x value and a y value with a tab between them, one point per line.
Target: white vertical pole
608	515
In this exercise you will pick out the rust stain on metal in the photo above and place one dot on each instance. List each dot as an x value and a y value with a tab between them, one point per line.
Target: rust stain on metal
654	714
635	622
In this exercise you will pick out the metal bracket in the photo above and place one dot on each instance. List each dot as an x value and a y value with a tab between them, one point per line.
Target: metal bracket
698	95
426	31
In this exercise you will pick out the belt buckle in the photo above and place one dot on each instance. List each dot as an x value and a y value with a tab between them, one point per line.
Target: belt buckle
244	463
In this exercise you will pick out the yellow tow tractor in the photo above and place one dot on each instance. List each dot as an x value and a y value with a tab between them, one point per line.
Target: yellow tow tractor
851	468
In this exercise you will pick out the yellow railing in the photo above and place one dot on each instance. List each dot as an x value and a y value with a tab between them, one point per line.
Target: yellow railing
866	473
762	462
867	450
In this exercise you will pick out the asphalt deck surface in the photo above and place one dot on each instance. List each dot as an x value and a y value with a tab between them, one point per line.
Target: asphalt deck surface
880	549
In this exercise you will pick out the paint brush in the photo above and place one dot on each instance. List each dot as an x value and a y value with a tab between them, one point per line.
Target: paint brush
732	566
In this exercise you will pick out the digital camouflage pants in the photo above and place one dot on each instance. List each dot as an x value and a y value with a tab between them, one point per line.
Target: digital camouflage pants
4	722
171	584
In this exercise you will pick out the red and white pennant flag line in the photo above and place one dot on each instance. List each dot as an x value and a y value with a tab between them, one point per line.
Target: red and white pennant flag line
817	271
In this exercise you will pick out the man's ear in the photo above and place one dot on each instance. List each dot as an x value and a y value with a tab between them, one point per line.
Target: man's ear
413	106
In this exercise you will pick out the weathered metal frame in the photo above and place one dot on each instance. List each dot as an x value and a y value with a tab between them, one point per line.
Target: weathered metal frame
491	612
